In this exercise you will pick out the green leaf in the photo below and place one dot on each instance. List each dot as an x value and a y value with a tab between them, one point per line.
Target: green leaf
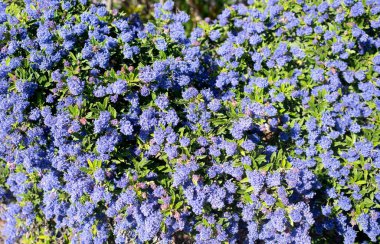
361	182
74	110
112	111
178	205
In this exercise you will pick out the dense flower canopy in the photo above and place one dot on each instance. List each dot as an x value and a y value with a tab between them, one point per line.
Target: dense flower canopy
260	125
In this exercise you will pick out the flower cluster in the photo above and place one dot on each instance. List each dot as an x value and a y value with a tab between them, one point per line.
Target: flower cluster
262	125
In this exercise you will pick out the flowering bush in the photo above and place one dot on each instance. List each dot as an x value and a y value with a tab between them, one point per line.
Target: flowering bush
262	125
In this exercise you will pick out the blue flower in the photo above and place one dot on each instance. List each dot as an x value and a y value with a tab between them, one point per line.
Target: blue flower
344	203
357	9
102	122
75	85
161	44
214	35
126	127
162	101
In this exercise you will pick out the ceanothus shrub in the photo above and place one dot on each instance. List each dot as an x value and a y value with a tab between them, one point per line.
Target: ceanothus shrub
262	125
